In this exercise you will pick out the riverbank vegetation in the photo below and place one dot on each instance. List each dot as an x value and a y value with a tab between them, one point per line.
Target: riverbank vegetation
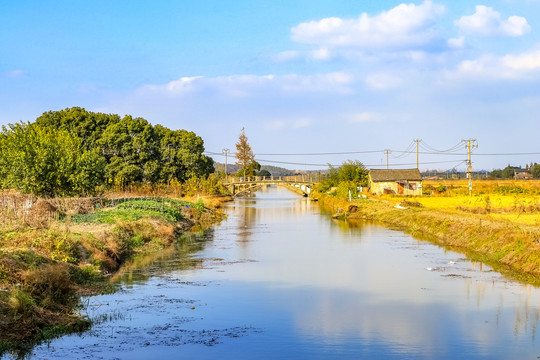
52	256
345	180
82	193
498	225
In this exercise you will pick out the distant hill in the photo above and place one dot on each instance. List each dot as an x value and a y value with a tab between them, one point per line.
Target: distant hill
274	170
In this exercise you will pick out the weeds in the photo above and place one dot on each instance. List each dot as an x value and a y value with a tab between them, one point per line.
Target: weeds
52	285
47	259
129	209
21	304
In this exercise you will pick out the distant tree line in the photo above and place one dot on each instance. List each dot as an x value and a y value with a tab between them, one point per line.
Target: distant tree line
265	170
508	172
73	152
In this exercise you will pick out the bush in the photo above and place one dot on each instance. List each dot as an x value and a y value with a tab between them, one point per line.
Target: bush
505	190
20	303
87	274
209	186
343	189
51	286
441	188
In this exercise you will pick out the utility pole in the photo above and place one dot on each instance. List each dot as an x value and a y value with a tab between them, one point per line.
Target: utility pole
469	145
226	151
417	141
387	151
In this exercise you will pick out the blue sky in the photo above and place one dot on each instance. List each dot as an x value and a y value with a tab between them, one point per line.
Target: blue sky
300	76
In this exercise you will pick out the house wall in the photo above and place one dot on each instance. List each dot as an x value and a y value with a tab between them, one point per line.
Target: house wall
382	187
379	188
414	188
523	176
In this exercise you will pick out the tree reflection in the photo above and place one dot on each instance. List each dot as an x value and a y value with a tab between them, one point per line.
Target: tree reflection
180	256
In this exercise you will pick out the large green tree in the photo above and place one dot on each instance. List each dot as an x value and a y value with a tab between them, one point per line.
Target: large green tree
73	151
88	126
182	155
349	176
350	171
535	171
46	162
131	148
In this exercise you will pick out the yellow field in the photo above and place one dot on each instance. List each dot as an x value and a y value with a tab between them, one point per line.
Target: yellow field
484	186
503	200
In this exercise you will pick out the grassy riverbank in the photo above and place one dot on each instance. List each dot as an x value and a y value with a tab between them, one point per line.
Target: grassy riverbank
511	247
50	258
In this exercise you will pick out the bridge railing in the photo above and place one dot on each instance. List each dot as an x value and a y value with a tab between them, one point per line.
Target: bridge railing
303	178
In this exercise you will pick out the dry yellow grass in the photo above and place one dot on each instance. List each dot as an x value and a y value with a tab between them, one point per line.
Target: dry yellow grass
499	200
485	185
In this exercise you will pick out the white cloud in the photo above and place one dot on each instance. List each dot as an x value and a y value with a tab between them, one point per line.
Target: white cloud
301	123
488	22
510	66
456	43
275	125
362	117
382	81
286	56
404	27
522	62
247	85
321	54
290	123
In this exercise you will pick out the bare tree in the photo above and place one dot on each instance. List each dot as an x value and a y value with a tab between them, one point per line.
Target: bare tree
244	154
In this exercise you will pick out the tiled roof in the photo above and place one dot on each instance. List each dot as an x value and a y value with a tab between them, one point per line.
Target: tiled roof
395	175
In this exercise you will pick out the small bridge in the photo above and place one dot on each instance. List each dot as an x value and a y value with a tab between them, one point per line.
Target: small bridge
246	187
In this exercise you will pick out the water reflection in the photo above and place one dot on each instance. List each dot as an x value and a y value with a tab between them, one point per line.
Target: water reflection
278	280
180	256
393	289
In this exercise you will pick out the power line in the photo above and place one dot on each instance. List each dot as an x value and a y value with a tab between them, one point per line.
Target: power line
367	165
454	148
405	152
335	165
455	166
507	154
329	153
396	151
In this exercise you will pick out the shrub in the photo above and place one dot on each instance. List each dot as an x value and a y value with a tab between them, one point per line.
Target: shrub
441	188
343	188
51	285
87	274
507	189
20	303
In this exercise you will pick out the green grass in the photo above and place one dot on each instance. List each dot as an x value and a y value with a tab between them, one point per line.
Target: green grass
135	209
114	215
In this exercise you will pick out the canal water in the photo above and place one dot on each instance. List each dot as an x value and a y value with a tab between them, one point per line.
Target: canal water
280	280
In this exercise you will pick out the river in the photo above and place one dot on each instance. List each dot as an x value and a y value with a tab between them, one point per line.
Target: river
280	280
